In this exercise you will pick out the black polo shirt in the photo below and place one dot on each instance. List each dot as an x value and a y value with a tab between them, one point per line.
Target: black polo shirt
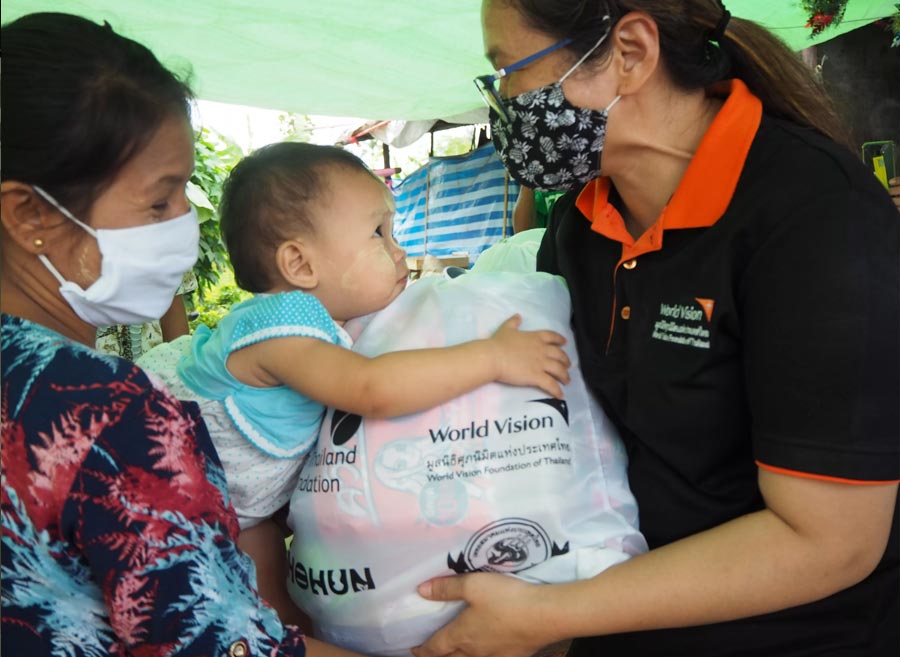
755	325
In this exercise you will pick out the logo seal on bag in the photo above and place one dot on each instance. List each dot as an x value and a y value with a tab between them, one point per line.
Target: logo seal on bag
506	546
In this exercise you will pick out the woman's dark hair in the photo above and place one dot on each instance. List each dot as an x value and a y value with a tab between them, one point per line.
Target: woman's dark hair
79	101
269	198
786	86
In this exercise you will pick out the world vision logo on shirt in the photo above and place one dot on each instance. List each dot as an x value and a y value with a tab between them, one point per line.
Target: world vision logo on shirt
708	305
685	324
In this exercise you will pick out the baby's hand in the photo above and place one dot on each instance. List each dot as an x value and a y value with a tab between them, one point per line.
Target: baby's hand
530	358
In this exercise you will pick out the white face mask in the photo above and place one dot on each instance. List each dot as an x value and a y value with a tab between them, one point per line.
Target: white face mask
140	271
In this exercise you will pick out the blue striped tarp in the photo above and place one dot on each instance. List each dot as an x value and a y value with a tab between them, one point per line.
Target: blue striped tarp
465	205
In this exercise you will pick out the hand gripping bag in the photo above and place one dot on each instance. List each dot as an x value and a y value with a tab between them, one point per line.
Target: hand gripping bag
503	479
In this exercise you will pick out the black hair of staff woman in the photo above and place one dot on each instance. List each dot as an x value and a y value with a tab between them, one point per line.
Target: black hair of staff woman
735	281
118	537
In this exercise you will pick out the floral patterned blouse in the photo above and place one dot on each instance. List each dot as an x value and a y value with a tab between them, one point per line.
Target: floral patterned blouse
118	537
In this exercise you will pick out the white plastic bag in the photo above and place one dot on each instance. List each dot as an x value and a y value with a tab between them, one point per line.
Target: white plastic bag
502	479
516	253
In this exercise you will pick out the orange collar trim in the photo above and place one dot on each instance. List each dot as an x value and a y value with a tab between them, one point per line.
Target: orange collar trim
708	184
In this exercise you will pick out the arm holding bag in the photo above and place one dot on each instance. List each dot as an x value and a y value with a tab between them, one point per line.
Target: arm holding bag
502	479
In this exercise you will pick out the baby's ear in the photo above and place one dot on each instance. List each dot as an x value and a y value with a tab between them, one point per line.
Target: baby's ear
294	262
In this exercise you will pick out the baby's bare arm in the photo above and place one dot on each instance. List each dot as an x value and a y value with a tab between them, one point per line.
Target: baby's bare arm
404	382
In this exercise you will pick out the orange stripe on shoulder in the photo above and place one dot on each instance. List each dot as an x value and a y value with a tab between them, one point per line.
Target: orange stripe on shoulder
818	477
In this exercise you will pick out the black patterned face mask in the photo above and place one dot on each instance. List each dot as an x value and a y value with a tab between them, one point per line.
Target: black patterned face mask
549	143
545	141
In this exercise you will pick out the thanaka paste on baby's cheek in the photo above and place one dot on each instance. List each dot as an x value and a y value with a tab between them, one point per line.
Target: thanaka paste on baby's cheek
373	262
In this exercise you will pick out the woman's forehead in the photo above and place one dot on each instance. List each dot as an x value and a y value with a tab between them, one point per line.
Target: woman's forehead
168	155
507	37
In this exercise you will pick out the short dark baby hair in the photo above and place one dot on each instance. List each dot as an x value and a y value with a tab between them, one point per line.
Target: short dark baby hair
269	197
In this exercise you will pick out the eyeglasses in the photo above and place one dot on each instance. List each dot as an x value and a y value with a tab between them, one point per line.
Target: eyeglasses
487	85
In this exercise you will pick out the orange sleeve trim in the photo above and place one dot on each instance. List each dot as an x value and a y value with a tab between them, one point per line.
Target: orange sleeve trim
837	480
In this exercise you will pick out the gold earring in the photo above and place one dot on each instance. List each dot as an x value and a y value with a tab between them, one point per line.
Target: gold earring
38	243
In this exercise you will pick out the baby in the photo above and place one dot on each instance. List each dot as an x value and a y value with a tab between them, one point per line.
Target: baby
308	229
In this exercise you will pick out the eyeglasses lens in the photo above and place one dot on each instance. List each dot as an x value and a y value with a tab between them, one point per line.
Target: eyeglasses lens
486	84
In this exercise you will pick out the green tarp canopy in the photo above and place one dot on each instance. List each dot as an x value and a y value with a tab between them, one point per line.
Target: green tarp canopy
392	59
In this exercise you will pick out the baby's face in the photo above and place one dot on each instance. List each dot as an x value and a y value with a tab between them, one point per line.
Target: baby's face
361	267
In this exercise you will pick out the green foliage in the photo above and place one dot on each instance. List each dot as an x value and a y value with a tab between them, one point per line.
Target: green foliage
296	127
454	145
218	300
214	157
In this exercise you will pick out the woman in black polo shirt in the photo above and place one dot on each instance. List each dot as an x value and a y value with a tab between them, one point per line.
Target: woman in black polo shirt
735	281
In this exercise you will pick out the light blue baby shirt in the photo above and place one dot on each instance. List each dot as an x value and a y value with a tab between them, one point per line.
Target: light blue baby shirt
279	421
